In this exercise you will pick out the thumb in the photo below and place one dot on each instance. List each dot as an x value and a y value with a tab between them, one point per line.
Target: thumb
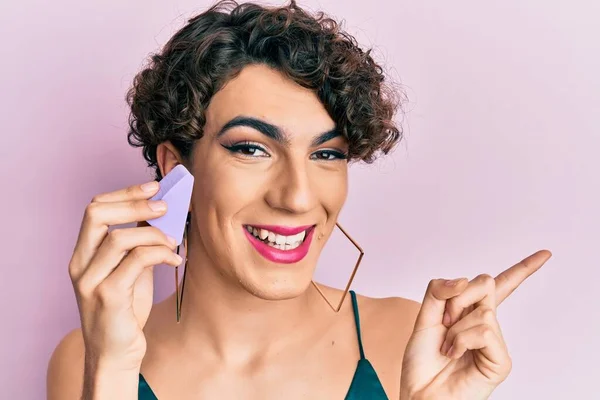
434	301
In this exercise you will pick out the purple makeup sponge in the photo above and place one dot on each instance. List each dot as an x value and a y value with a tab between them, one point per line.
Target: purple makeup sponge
176	190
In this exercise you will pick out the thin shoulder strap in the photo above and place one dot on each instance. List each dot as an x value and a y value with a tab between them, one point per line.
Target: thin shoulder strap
357	323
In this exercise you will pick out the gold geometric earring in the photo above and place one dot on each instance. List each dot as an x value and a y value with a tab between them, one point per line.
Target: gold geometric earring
178	296
362	253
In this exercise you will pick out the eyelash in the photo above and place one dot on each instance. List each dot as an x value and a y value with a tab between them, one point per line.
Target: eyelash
241	146
337	155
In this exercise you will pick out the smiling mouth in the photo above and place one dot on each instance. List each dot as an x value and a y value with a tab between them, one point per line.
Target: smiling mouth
275	237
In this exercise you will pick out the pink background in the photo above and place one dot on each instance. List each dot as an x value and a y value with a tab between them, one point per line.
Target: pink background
500	159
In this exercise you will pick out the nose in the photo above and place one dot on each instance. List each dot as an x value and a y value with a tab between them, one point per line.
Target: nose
291	189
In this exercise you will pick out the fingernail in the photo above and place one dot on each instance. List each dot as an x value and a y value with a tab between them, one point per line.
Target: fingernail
453	282
179	258
449	352
157	205
446	319
172	240
150	186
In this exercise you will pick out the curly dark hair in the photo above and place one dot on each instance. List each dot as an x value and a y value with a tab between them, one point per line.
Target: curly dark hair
169	97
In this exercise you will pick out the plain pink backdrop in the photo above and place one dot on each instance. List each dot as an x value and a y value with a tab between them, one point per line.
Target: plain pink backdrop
500	159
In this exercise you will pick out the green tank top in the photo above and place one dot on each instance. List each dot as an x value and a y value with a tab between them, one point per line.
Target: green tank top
365	383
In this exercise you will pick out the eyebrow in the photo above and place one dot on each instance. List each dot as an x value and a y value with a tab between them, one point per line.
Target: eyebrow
273	131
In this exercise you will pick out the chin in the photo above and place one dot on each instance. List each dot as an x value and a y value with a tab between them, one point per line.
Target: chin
273	281
279	290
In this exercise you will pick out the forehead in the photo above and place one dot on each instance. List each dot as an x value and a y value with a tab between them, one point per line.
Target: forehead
262	92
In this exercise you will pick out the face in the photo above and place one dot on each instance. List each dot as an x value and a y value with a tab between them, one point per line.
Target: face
270	180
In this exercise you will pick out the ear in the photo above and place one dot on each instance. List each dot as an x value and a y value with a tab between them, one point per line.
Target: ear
167	157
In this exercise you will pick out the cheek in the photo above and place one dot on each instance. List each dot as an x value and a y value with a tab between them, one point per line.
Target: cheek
332	189
226	190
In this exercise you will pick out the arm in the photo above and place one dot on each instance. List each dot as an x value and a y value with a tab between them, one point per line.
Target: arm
73	376
410	311
102	360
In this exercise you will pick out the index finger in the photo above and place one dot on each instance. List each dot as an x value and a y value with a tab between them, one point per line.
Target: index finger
509	280
99	216
135	192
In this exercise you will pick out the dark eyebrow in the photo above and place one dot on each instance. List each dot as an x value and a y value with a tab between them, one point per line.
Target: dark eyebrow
273	131
325	137
263	127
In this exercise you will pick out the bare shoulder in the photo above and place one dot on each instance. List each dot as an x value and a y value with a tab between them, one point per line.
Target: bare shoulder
388	316
386	326
65	369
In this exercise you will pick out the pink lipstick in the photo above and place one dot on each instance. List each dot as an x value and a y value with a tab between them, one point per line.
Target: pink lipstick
281	256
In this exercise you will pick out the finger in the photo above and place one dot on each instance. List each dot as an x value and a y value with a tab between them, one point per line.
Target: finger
135	192
99	216
509	280
115	246
480	291
434	301
482	315
482	338
126	274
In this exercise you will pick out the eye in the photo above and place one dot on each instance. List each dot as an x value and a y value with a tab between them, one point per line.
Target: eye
328	155
247	149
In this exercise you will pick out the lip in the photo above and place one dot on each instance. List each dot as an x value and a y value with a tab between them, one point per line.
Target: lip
282	256
283	230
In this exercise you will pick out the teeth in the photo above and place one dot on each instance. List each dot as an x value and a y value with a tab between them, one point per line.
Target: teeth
278	241
299	237
290	240
284	246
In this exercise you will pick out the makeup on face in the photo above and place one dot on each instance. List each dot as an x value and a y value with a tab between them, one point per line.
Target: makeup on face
270	154
276	134
280	244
